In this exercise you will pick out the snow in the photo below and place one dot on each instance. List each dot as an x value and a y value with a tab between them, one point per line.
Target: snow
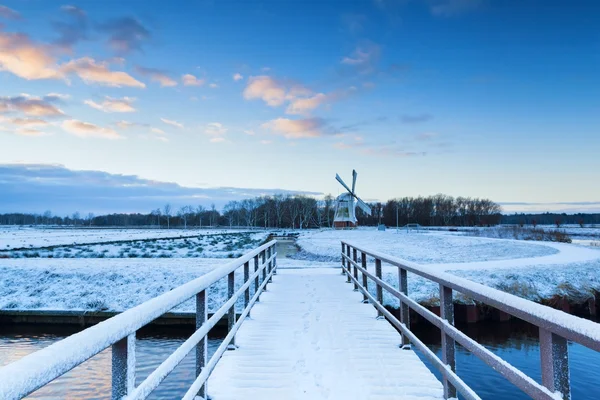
533	270
12	237
422	247
34	370
310	337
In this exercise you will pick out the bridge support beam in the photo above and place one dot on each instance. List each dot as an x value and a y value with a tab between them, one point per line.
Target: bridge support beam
378	274
123	367
202	346
355	259
404	309
554	353
448	344
365	281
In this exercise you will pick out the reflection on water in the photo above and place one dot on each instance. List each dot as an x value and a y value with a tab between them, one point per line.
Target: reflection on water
92	379
516	342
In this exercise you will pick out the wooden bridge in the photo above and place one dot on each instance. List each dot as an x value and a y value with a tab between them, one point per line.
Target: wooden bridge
312	334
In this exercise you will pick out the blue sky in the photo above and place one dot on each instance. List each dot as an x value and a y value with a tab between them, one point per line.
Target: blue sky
483	98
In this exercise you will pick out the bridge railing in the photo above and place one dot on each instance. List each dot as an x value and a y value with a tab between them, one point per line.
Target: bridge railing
35	370
556	328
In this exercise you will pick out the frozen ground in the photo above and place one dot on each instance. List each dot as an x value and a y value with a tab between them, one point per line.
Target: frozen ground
420	247
534	270
13	237
211	244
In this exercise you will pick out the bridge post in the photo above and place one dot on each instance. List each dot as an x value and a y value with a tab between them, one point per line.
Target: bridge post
202	346
247	291
263	267
231	314
256	284
404	309
274	261
269	254
365	282
123	367
554	354
348	265
448	344
378	274
343	259
355	259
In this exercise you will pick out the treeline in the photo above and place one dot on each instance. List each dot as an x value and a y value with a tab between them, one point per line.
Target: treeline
285	211
551	219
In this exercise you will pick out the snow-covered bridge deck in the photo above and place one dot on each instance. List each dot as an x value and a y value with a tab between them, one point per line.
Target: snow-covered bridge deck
311	337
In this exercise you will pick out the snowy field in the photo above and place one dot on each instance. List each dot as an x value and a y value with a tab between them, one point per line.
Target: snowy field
14	237
533	270
213	244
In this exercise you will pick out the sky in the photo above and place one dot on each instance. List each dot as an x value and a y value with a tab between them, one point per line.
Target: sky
210	100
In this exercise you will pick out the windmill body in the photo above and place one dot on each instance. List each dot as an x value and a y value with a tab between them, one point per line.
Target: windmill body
345	205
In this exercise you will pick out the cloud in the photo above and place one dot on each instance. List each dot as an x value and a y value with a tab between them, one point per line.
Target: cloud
125	34
415	119
9	13
237	77
73	31
40	187
364	57
217	140
249	132
353	23
213	86
28	122
110	105
191	80
452	8
386	150
296	129
425	136
215	129
58	97
157	75
27	59
88	130
30	105
267	89
137	125
266	142
91	71
300	99
172	123
30	132
157	131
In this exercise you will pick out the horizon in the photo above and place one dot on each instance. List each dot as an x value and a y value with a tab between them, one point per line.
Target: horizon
130	105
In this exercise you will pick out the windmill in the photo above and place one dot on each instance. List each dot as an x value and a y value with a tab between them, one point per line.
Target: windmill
345	206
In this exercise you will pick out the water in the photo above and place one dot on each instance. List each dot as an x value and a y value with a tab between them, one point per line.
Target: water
516	342
92	379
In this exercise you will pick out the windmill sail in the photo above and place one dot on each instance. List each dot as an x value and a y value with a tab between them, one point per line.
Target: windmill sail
354	175
363	206
343	183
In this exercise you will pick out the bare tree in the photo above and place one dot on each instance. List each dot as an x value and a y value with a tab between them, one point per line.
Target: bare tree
167	214
199	211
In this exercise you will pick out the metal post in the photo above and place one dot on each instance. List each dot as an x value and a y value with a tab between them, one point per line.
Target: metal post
378	286
264	268
275	261
365	282
123	367
355	259
343	259
202	346
256	284
448	344
246	278
554	354
231	315
348	264
269	254
404	314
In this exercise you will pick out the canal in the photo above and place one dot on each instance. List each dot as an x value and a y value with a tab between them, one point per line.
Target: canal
514	341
